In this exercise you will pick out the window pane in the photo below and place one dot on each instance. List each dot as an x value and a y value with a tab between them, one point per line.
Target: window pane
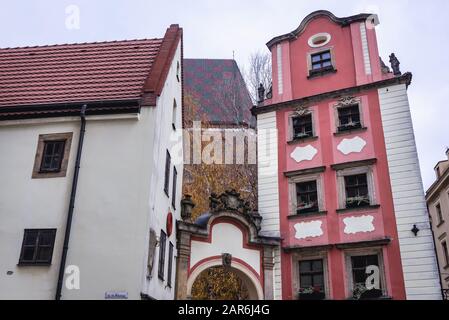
167	172
304	266
318	265
326	55
30	237
44	254
316	66
52	157
316	58
46	238
318	280
327	64
306	281
28	254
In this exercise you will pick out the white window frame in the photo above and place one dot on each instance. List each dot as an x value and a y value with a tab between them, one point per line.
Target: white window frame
349	253
318	51
297	258
344	103
295	114
341	185
292	181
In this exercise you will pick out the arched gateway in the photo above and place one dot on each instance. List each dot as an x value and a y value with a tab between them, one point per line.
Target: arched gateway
227	236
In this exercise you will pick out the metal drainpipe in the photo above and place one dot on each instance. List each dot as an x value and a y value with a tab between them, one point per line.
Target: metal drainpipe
436	252
72	203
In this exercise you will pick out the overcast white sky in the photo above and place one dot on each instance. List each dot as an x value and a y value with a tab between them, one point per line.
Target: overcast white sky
417	31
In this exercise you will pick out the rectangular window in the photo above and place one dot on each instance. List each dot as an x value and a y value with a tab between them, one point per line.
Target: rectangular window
52	156
445	252
175	109
302	127
162	244
311	280
357	194
321	61
359	265
439	214
167	173
37	247
307	197
173	196
349	118
170	264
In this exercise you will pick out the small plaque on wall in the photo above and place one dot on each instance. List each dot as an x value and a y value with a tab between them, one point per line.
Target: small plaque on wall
114	295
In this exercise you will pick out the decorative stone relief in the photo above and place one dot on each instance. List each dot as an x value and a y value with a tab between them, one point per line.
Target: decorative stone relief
355	225
347	101
354	145
306	230
302	154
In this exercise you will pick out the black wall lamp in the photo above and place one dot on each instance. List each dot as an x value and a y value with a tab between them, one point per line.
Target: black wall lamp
415	230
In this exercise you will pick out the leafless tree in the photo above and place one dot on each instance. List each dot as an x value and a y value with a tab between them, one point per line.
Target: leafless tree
258	72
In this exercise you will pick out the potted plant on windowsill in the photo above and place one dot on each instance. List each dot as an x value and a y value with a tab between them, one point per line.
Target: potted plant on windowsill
356	202
311	293
302	135
350	126
361	292
307	207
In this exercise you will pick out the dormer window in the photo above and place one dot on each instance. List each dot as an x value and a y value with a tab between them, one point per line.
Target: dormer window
321	63
349	118
321	60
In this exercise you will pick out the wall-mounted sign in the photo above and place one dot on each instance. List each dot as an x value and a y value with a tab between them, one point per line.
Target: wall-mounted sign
115	295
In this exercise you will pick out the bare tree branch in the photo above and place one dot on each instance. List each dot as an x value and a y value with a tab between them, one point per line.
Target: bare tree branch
258	72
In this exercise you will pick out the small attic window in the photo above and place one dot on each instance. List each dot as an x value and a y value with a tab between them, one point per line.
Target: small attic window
319	40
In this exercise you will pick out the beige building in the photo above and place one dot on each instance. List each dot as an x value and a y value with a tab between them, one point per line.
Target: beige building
437	198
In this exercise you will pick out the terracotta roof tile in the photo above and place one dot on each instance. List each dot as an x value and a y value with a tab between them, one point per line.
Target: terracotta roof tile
72	73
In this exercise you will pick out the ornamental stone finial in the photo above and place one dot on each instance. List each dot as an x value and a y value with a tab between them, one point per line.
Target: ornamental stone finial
261	92
395	65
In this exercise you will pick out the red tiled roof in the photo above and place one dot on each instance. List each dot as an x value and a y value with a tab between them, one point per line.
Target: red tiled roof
76	72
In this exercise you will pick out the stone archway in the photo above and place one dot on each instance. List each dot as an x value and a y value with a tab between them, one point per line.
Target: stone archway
226	236
250	280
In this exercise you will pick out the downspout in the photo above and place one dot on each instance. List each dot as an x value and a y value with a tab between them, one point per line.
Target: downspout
440	275
68	227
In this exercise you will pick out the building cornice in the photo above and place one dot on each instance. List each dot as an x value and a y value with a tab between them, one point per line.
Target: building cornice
406	78
68	109
441	183
320	13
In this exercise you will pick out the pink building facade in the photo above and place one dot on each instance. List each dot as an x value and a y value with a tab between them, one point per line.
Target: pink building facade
339	176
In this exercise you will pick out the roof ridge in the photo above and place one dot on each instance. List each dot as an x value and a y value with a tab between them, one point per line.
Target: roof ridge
80	43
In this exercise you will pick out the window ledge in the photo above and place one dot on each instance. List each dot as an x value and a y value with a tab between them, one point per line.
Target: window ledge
320	73
31	264
366	208
306	215
373	299
301	140
348	132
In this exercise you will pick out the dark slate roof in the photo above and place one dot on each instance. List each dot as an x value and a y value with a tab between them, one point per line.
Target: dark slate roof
218	90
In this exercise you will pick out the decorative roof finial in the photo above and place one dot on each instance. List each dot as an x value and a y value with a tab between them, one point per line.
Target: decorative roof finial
395	65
